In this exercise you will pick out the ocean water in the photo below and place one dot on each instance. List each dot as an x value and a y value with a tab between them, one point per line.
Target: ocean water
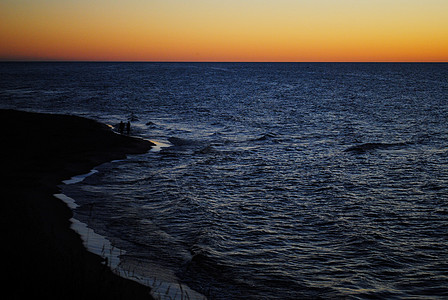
275	181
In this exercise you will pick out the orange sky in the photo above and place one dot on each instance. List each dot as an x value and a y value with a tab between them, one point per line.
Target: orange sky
224	30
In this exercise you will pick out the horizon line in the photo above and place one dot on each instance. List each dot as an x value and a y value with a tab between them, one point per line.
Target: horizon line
201	61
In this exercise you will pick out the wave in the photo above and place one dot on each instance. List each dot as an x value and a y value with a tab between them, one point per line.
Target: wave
180	141
266	137
206	150
374	146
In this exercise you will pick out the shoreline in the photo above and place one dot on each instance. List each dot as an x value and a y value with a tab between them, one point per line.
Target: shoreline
43	255
163	282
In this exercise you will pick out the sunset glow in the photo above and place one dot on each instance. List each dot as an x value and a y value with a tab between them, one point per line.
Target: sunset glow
231	30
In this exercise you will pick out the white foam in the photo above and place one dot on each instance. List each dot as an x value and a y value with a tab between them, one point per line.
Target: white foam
79	178
94	242
158	146
97	244
69	201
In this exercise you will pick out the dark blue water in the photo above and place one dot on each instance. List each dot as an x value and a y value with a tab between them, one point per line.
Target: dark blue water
282	181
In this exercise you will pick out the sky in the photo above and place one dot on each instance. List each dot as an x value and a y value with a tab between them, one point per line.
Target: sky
224	30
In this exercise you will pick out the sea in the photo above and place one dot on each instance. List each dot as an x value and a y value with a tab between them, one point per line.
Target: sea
268	181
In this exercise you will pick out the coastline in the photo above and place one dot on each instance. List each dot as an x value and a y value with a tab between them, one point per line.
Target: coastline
43	255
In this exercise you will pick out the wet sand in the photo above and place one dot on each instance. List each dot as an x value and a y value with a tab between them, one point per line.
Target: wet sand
42	256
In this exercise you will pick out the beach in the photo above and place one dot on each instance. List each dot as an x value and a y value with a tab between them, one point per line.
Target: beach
42	255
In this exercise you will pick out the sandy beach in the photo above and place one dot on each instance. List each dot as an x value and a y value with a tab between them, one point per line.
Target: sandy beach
42	256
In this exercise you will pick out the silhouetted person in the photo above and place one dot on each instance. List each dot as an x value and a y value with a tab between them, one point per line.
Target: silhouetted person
121	127
128	127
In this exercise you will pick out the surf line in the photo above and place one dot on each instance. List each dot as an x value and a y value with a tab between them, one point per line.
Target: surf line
101	246
94	242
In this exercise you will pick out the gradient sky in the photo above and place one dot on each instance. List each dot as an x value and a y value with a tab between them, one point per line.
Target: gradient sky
224	30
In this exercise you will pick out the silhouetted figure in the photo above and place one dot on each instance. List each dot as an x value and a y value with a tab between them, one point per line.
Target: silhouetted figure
121	127
128	127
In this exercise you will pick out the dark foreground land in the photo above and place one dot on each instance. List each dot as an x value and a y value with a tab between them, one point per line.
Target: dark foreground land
41	255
